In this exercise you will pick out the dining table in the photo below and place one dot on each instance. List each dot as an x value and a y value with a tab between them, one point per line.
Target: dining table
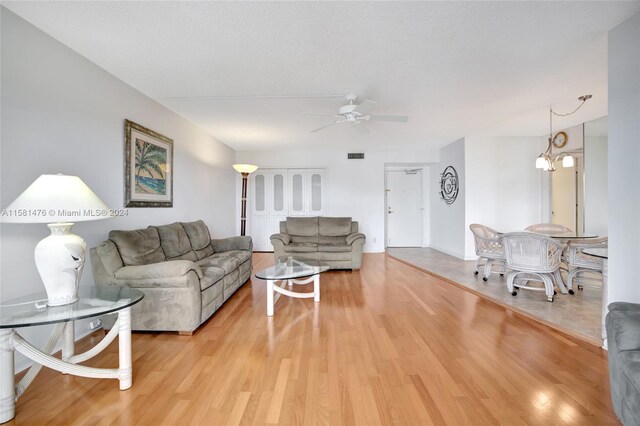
564	238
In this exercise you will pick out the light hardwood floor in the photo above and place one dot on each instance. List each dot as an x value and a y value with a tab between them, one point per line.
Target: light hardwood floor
386	345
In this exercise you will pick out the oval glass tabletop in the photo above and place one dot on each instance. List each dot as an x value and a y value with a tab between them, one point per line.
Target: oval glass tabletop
598	252
94	301
568	235
290	267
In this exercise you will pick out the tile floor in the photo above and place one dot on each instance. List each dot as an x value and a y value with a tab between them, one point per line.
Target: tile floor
578	314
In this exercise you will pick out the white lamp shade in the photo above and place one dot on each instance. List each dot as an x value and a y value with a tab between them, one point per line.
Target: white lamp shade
56	198
540	162
245	168
567	161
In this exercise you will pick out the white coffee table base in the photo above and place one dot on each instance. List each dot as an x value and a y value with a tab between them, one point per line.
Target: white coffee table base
11	341
273	288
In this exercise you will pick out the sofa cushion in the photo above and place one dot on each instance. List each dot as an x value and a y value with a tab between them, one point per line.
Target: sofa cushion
625	326
199	237
630	364
336	248
302	226
220	260
334	226
241	255
168	269
139	246
108	253
212	274
342	240
301	248
175	242
198	234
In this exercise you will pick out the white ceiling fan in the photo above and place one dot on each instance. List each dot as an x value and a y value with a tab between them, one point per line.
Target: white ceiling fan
356	113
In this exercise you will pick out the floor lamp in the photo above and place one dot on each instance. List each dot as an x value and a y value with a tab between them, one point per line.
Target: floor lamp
244	170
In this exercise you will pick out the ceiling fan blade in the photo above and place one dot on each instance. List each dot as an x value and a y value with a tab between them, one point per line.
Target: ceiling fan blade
365	106
362	129
396	118
319	113
328	125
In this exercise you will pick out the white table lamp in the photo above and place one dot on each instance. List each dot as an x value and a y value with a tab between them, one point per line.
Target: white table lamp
58	200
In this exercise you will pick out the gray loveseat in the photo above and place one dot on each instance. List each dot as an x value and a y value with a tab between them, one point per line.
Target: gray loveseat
184	274
623	344
334	240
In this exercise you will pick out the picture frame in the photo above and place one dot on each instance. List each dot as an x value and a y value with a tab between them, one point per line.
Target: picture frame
148	167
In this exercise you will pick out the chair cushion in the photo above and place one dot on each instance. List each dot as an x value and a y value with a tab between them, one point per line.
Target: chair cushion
336	248
175	242
139	246
199	238
334	226
302	226
301	248
223	261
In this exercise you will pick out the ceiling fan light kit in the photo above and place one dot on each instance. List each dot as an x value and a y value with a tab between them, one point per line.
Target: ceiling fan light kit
356	113
546	159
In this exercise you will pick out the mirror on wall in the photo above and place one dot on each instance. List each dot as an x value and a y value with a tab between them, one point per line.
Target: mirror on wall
567	184
596	138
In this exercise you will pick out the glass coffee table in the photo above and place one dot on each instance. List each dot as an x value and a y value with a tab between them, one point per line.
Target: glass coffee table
292	270
31	310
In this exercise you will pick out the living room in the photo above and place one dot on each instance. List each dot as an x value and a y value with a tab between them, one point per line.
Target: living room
466	85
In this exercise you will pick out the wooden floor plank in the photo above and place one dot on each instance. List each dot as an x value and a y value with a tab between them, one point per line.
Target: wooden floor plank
386	345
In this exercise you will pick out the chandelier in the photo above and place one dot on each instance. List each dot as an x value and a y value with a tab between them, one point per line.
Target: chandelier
546	159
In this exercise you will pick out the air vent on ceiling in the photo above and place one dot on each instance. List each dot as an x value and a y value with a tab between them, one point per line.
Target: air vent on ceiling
355	156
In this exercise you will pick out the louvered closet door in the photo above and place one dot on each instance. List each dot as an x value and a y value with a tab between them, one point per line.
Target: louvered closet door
315	198
260	208
298	192
279	200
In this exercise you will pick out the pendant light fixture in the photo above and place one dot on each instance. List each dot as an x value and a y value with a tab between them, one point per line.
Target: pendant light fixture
546	159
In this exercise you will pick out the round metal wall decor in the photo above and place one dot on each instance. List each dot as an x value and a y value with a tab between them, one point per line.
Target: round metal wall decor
449	185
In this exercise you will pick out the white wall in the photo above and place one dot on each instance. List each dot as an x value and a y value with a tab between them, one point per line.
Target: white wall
62	113
448	221
503	188
355	187
624	153
595	185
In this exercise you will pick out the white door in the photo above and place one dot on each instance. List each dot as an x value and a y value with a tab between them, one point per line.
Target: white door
404	208
298	192
316	184
259	193
278	180
563	196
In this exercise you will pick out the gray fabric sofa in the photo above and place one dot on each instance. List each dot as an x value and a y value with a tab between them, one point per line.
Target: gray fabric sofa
334	240
184	274
623	342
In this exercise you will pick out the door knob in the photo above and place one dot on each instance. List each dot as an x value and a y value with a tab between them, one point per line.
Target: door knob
390	211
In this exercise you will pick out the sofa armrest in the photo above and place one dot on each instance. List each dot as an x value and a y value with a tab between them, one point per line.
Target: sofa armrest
232	243
168	269
285	238
351	238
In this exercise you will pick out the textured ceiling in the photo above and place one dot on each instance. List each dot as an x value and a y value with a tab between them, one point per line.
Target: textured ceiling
457	69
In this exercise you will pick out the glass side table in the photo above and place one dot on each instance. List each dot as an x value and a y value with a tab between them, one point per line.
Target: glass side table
288	269
93	302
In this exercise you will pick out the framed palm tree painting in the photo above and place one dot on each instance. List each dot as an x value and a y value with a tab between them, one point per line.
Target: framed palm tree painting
148	167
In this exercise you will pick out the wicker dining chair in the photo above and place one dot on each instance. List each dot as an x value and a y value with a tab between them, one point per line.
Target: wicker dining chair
581	266
530	258
489	249
548	228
